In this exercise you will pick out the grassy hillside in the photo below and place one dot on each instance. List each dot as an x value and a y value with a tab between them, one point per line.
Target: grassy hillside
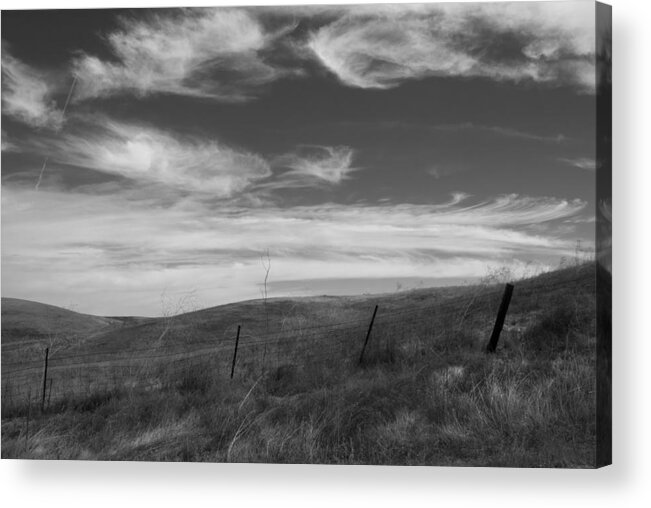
426	393
24	320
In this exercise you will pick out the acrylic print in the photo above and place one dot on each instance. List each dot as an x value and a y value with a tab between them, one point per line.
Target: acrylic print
362	234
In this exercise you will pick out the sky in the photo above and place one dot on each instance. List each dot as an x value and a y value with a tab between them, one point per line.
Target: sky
152	157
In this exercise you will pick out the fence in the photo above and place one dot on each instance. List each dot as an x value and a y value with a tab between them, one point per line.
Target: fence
238	352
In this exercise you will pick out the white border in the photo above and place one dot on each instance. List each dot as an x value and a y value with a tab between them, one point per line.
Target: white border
627	483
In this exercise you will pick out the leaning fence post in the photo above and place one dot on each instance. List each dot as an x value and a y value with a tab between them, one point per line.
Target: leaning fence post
368	334
237	341
499	322
47	351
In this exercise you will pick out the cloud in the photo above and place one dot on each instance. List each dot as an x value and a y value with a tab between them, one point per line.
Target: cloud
176	163
213	53
145	154
27	94
313	166
117	255
384	46
440	171
7	144
581	162
514	133
461	127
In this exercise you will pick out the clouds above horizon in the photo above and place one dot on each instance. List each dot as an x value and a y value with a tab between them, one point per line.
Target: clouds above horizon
27	96
585	163
423	141
79	242
314	166
145	154
210	53
234	54
142	153
383	46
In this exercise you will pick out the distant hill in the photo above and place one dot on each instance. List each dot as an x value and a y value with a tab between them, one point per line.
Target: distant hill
29	322
26	320
425	393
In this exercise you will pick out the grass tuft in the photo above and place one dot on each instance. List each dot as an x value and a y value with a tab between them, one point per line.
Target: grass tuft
424	395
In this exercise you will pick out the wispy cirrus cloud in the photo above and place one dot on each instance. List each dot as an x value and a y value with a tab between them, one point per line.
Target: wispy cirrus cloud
80	242
439	171
384	46
145	154
508	132
148	155
27	94
585	163
7	144
313	166
213	53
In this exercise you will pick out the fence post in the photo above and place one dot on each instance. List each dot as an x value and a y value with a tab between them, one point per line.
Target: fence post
499	322
368	334
237	341
47	352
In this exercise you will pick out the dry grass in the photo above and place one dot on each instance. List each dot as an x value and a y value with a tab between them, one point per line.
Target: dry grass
435	399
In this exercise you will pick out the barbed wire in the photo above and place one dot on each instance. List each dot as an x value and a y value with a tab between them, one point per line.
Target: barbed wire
262	350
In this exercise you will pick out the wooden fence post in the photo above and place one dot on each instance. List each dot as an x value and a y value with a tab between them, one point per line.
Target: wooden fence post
499	322
237	341
368	334
47	352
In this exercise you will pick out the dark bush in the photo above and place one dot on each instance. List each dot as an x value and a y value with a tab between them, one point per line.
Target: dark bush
94	401
385	355
558	329
193	380
283	380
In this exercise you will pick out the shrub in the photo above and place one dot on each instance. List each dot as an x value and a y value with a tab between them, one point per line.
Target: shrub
283	380
558	329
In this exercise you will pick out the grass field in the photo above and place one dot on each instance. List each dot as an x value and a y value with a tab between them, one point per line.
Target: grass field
426	393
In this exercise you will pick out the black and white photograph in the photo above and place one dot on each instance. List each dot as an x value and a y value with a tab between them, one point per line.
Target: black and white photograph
374	234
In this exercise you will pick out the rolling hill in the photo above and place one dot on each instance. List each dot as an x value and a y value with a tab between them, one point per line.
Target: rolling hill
30	324
425	393
24	320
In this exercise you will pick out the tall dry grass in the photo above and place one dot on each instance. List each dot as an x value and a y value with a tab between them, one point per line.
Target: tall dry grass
430	396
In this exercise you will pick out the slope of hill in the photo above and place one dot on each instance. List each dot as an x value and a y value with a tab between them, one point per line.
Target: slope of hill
25	320
29	324
278	315
425	393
